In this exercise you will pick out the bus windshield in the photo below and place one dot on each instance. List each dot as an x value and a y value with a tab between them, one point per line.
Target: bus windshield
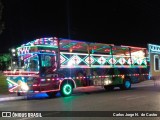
28	63
31	64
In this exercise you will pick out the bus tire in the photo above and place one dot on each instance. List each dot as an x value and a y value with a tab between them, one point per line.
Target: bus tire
18	94
51	94
108	87
126	85
66	89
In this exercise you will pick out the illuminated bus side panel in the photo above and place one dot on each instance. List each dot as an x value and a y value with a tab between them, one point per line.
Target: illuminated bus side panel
19	83
32	84
98	76
79	60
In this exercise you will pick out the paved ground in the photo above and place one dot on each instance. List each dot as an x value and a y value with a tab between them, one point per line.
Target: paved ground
13	96
142	97
80	90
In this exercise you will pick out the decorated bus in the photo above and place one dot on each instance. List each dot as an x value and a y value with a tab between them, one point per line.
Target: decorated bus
54	65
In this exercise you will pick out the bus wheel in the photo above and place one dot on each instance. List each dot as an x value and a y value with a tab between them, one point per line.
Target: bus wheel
108	88
126	85
66	89
18	94
51	94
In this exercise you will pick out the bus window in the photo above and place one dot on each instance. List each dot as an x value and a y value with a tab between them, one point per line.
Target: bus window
156	63
31	64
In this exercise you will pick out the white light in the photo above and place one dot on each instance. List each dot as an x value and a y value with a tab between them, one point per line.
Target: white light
14	63
139	54
32	44
24	87
42	79
9	68
107	82
70	63
13	50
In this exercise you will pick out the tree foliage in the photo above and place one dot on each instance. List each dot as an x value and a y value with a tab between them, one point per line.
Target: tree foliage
5	57
4	61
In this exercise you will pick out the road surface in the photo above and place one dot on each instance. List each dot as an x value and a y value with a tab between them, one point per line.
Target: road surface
142	97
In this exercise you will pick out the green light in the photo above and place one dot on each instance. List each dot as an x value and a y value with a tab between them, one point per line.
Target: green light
35	46
48	46
67	89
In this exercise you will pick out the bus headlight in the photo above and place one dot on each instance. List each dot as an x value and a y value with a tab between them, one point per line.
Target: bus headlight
24	87
107	81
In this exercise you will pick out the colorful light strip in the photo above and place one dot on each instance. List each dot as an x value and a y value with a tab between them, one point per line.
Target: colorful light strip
79	60
154	48
31	47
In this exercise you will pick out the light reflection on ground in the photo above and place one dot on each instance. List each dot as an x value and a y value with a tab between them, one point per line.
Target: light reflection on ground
40	96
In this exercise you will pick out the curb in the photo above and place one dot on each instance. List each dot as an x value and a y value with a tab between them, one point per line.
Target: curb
6	98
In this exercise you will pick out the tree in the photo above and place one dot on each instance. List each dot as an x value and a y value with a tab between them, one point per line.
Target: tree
4	61
1	21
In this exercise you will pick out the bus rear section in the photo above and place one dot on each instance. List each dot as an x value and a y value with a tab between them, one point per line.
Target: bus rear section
102	64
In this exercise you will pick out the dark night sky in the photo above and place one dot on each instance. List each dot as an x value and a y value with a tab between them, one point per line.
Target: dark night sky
121	22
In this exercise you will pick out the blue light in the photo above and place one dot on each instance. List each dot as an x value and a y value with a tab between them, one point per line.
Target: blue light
37	96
